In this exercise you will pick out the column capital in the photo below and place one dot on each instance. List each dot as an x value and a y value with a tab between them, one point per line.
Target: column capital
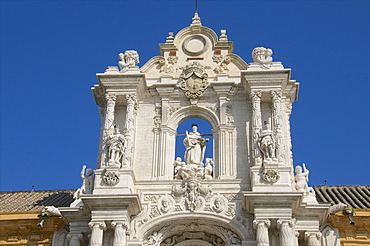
276	94
99	224
110	98
265	223
78	236
255	95
281	222
122	223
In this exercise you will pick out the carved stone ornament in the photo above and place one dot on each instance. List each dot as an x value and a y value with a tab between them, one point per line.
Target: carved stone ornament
191	191
128	60
193	80
262	56
111	177
270	175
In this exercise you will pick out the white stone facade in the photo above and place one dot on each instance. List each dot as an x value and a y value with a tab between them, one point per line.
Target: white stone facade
245	195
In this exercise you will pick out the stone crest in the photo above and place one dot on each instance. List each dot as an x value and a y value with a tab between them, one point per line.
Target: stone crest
193	80
111	177
270	175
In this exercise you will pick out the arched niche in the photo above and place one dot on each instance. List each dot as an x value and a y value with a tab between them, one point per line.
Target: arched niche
193	243
193	112
169	132
204	229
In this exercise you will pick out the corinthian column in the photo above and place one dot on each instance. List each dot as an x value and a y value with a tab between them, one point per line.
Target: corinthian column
257	124
286	232
313	238
74	239
97	233
262	233
129	128
277	119
119	233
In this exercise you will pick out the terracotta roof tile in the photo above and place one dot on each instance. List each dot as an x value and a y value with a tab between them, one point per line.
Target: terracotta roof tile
356	196
21	201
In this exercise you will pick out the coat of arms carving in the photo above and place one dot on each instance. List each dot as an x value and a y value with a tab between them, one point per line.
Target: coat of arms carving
193	80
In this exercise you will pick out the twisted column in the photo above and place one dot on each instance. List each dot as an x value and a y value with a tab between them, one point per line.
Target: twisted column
286	232
257	124
313	238
97	229
262	233
75	239
120	228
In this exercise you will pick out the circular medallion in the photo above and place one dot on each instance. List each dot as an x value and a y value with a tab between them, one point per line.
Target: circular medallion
195	45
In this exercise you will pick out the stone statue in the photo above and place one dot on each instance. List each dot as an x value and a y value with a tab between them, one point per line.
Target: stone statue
208	169
301	179
178	164
116	148
262	56
195	146
87	185
267	147
128	60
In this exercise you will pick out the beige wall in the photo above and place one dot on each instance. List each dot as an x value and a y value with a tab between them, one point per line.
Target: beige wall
350	235
20	228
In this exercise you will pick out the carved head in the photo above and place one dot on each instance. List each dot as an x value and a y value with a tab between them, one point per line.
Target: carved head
298	169
121	56
194	127
89	172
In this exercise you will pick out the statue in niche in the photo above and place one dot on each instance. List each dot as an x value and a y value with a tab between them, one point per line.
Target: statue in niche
262	56
195	147
128	60
267	146
116	148
194	154
301	179
87	185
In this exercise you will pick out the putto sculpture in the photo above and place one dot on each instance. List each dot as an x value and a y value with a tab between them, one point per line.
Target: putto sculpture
262	56
128	60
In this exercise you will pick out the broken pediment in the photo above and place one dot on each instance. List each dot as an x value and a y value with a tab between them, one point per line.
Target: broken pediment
194	44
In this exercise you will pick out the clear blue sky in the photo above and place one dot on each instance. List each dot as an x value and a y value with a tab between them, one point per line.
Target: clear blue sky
51	50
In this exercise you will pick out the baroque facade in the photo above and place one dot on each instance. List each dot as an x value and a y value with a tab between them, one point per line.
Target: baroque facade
144	193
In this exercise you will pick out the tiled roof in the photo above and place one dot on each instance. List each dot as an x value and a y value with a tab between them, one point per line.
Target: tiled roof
355	196
22	201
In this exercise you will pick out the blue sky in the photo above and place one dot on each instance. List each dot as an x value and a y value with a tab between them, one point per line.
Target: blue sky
51	50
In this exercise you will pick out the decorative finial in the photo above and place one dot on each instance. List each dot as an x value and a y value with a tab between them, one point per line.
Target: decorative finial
223	37
170	38
196	20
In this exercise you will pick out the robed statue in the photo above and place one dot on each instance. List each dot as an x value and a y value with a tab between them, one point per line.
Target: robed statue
195	146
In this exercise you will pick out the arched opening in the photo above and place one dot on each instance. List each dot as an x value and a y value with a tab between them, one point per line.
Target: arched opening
188	145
